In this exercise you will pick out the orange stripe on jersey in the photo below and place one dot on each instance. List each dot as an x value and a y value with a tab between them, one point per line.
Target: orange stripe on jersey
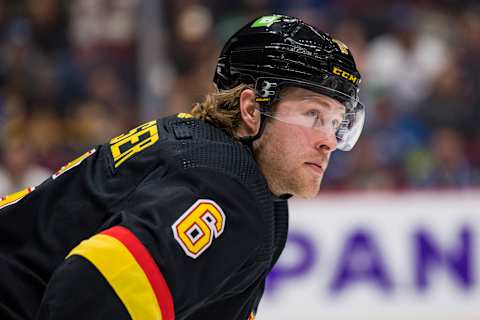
130	270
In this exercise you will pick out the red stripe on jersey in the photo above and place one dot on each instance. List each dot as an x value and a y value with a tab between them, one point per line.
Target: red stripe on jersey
146	262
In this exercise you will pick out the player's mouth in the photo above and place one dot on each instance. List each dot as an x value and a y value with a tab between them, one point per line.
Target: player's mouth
317	168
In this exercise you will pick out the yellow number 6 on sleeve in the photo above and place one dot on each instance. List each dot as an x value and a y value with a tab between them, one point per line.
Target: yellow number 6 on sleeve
198	226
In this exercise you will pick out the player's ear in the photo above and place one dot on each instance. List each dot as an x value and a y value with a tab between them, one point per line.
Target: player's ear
250	113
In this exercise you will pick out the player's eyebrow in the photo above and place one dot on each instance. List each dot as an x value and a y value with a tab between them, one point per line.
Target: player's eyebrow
321	101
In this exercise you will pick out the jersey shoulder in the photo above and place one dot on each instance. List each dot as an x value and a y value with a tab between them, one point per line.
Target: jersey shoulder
198	144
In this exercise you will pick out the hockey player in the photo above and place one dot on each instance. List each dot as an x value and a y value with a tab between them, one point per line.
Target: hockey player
185	216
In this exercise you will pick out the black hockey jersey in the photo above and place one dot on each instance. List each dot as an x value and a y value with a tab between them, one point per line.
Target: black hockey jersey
172	220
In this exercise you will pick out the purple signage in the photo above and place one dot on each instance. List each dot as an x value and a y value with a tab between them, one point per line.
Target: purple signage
430	258
306	248
360	261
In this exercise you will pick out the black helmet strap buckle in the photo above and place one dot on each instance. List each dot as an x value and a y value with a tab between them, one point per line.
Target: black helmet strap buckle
267	93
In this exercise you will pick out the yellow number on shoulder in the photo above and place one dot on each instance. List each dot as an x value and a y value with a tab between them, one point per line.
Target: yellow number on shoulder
126	145
183	115
198	226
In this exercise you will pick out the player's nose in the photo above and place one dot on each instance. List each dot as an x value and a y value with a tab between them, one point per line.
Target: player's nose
325	140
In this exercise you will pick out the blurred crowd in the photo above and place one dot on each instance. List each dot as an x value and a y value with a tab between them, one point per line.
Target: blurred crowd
70	79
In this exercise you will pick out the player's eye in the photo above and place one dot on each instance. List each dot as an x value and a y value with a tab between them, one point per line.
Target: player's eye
312	113
314	118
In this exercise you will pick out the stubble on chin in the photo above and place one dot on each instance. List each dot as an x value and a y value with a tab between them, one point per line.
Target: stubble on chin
308	187
295	182
284	179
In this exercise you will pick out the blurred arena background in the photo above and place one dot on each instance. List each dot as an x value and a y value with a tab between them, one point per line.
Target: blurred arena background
74	73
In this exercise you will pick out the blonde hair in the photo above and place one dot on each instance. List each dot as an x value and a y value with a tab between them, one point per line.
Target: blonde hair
222	109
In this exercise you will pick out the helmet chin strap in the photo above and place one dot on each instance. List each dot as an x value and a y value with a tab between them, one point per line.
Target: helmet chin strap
248	140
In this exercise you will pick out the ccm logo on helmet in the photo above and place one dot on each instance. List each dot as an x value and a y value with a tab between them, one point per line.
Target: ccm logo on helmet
345	74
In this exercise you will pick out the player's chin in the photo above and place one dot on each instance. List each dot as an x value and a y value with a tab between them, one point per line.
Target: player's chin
309	190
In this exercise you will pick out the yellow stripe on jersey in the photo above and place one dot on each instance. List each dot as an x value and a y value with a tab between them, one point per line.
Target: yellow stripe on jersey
15	197
123	273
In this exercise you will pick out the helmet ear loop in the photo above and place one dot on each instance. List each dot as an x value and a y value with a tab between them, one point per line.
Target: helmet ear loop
264	108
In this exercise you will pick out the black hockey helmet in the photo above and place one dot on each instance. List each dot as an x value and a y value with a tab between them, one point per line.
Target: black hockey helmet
277	51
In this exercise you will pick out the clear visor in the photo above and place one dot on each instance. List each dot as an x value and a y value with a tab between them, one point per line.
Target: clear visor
344	117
